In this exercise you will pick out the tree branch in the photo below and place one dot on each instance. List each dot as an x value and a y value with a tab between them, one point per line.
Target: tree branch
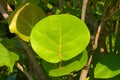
84	9
37	69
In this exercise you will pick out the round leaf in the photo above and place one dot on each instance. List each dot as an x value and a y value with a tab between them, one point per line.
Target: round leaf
59	37
24	18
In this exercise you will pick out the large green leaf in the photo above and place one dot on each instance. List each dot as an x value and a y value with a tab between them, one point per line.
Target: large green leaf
59	37
7	58
24	18
75	65
108	66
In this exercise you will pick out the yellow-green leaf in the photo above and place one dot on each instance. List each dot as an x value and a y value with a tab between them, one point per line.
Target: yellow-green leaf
7	58
59	37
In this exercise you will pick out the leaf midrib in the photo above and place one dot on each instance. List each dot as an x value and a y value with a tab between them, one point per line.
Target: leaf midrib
26	22
60	44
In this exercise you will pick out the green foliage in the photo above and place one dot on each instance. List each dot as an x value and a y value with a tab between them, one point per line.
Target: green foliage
67	67
3	30
106	67
73	65
7	58
59	39
21	22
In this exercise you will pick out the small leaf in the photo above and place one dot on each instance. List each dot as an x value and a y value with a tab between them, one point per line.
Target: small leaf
7	58
59	37
71	67
108	66
24	18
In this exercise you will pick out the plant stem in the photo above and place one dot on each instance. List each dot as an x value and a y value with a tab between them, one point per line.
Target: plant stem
99	28
117	34
84	9
24	71
37	69
86	69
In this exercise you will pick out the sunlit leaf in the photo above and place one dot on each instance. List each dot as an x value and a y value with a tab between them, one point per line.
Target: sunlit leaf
24	18
59	37
7	58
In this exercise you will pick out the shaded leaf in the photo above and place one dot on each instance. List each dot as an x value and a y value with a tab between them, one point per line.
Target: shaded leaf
24	18
108	66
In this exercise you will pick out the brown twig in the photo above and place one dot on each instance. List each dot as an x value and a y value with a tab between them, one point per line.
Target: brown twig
99	28
24	71
117	33
116	26
97	37
84	70
37	69
84	9
3	12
